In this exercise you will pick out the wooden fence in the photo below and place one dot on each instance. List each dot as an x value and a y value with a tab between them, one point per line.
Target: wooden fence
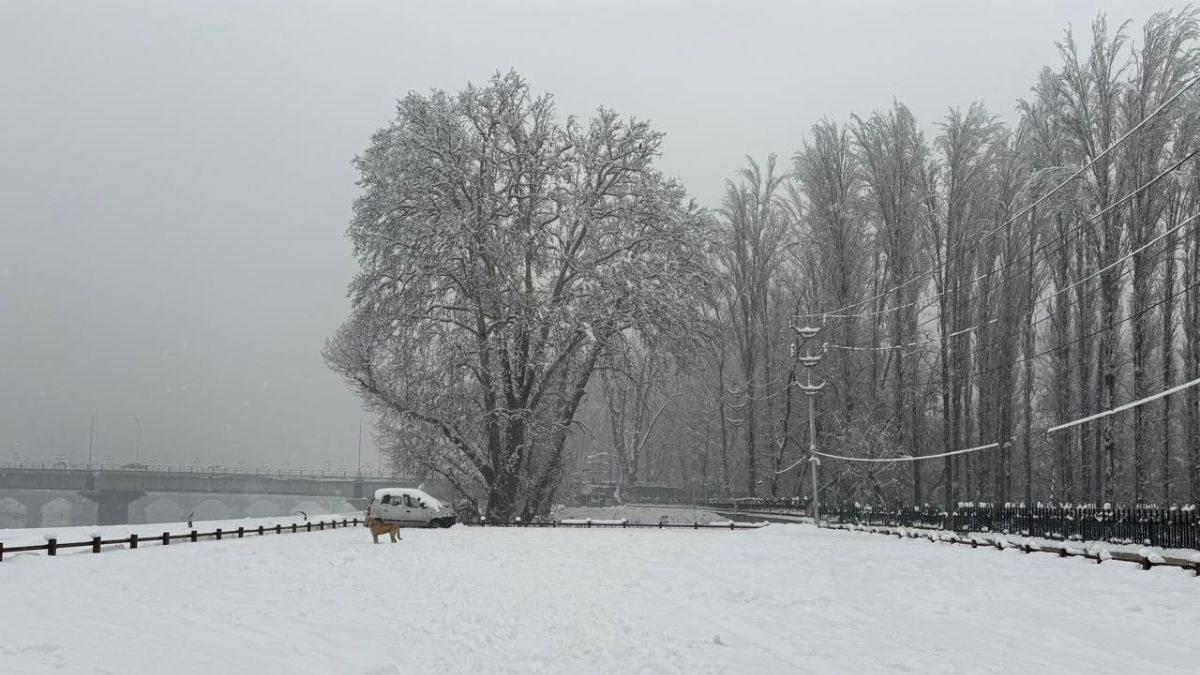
52	545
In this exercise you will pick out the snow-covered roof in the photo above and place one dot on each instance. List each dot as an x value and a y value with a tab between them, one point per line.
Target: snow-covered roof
414	493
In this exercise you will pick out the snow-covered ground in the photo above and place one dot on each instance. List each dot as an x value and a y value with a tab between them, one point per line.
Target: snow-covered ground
783	599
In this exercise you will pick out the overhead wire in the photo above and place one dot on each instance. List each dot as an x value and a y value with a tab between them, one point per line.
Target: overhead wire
1044	301
1026	209
1068	236
1127	406
986	371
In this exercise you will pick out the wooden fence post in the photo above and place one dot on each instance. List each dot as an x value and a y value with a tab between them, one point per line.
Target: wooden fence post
260	530
308	526
321	525
133	541
278	529
166	538
218	534
293	528
241	531
51	546
1	551
95	544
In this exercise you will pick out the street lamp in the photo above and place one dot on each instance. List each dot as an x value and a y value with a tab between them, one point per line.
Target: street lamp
137	450
92	437
360	423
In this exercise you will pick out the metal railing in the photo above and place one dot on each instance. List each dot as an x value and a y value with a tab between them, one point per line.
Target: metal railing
343	474
1141	525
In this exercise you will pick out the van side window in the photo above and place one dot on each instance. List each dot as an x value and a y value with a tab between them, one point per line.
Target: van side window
387	499
407	501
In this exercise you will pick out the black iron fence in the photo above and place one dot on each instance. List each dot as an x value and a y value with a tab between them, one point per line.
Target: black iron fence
1141	525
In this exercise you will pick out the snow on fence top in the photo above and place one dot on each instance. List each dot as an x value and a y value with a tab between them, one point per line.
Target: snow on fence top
96	543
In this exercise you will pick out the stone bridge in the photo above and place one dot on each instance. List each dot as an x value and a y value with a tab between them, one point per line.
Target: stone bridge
113	496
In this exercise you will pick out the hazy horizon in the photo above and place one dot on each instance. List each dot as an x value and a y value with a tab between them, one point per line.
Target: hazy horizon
176	181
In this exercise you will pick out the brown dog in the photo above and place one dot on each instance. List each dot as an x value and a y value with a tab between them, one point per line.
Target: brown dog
378	527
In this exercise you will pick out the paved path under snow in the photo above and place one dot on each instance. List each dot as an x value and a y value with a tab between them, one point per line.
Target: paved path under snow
785	599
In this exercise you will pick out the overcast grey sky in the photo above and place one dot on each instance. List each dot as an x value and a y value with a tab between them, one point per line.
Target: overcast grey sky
175	177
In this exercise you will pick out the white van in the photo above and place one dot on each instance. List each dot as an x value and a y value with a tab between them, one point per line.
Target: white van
411	508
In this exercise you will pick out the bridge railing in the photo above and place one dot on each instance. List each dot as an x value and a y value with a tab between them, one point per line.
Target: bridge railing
343	474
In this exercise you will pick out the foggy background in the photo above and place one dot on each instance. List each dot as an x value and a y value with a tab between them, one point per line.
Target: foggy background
175	177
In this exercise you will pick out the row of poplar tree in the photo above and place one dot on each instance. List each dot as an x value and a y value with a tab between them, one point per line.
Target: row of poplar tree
977	287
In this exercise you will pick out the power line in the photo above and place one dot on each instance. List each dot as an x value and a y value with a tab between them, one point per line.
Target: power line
918	343
1067	238
1113	264
1044	301
1016	329
910	458
1037	202
986	371
1122	408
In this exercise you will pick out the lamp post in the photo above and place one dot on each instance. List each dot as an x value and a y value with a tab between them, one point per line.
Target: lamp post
360	423
92	437
137	449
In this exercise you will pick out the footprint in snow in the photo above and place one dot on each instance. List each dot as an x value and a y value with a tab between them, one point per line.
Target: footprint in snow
717	640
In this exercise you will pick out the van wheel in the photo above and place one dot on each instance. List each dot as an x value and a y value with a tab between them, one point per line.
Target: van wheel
446	523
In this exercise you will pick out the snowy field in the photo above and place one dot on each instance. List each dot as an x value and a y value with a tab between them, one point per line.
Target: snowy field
783	599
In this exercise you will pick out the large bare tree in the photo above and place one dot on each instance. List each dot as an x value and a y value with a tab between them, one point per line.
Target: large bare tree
503	254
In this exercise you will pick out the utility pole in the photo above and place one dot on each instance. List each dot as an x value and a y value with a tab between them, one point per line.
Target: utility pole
809	360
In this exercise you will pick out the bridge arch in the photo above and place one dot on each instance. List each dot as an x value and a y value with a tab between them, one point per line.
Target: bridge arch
58	512
12	513
164	510
213	509
261	508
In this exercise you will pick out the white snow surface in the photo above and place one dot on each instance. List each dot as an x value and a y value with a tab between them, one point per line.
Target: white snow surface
782	599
